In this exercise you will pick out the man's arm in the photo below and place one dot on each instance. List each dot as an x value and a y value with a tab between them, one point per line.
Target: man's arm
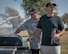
17	31
57	36
35	34
22	27
61	29
61	32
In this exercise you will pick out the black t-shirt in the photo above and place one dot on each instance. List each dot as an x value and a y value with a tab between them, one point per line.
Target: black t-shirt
47	24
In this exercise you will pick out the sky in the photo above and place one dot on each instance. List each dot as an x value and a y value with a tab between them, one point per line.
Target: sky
13	4
62	6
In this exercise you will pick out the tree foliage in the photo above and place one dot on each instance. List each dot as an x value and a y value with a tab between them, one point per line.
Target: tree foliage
11	11
12	16
65	18
15	21
3	16
38	4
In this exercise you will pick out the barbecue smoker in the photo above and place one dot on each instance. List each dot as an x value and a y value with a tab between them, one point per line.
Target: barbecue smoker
13	44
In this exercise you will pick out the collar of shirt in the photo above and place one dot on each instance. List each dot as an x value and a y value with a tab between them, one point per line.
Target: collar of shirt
35	20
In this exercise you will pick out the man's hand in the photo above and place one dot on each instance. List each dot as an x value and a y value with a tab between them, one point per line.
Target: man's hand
12	33
30	38
56	36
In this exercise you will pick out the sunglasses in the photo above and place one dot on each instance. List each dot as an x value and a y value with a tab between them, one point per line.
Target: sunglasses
32	13
51	6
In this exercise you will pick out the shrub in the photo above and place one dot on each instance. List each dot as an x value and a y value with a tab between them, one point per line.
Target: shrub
66	29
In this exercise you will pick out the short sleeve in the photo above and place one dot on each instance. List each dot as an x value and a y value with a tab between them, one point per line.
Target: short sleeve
39	24
60	24
23	26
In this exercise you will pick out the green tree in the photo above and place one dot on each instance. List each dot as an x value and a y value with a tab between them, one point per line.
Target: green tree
11	15
3	16
11	11
65	18
15	21
38	4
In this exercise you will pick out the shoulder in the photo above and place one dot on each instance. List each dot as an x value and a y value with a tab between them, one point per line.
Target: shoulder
58	17
27	20
42	17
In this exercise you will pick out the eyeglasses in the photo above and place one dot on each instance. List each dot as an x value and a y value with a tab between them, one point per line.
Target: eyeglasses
51	6
32	13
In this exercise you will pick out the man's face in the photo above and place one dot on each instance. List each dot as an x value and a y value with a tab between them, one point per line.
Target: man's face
35	15
50	8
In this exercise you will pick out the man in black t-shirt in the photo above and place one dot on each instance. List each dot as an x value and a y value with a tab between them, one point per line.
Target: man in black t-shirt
52	29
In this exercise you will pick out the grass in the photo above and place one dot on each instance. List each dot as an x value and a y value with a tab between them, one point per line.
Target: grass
64	43
63	39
